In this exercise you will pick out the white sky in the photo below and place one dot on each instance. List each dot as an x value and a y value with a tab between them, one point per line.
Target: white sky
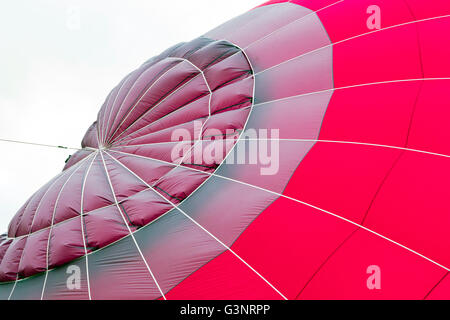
58	61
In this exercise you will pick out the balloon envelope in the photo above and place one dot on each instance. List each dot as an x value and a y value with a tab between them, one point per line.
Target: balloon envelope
298	151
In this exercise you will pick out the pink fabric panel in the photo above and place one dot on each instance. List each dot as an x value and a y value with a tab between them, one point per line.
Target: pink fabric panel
69	201
179	183
261	22
232	94
24	225
187	93
34	255
161	151
124	183
145	207
97	192
149	170
227	71
44	213
104	226
142	84
169	81
66	242
194	111
10	262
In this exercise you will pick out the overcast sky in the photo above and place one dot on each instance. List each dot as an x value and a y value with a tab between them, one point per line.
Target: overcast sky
58	61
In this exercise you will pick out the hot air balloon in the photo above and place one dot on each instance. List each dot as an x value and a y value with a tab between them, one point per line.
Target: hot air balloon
326	123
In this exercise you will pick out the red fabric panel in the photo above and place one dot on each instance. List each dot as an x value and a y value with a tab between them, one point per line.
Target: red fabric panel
348	18
235	280
441	291
314	236
381	56
341	178
429	127
434	51
384	118
424	9
412	206
403	275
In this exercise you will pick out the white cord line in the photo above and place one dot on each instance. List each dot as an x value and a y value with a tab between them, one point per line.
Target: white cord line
301	140
351	87
140	98
101	120
352	38
200	226
201	129
128	227
245	125
242	49
332	90
286	25
82	225
56	179
126	96
121	84
117	141
130	90
164	99
111	108
304	203
39	144
53	220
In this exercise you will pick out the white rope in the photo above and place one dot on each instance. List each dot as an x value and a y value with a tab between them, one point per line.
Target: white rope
38	144
53	220
306	204
138	101
128	227
201	227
